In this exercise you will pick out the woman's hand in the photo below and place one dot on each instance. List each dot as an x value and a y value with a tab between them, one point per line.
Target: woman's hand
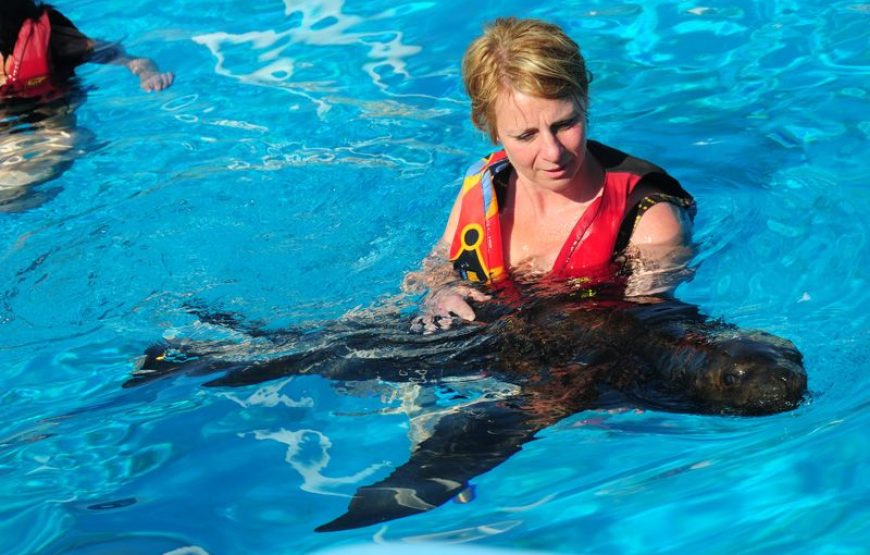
150	77
444	305
151	81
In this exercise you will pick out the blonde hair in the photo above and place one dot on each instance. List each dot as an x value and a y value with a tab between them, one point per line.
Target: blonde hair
524	55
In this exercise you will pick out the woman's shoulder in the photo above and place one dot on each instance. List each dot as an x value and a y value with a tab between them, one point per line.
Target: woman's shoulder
648	178
58	20
617	161
63	29
69	46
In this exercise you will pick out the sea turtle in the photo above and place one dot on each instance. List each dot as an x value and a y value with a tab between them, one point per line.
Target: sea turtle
564	354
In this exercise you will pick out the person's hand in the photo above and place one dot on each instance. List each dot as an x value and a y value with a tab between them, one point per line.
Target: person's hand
155	81
444	305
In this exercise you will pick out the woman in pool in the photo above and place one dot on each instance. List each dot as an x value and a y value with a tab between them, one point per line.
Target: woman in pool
40	49
550	204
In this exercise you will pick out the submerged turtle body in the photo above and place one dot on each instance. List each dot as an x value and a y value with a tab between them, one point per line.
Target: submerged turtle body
562	354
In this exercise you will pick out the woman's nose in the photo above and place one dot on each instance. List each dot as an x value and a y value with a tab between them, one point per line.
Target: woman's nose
551	147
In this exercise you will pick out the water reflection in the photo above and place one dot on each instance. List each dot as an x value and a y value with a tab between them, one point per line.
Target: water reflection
38	142
323	24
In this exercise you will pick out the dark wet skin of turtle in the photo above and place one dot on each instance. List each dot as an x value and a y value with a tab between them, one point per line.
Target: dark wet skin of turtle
566	356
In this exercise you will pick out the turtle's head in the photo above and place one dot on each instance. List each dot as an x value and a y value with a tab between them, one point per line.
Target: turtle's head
753	373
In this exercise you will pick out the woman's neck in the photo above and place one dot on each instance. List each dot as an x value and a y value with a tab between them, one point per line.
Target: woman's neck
582	190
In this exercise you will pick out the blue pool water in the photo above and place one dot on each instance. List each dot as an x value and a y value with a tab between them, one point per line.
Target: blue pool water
305	160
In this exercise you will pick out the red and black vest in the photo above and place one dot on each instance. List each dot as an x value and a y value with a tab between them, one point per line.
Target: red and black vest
31	71
601	232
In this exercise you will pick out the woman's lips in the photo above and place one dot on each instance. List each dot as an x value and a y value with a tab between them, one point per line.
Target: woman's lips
556	172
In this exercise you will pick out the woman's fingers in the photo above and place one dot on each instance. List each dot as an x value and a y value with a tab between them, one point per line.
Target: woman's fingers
156	81
455	304
444	306
474	294
430	323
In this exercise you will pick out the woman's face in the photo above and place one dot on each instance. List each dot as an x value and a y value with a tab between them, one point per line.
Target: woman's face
545	140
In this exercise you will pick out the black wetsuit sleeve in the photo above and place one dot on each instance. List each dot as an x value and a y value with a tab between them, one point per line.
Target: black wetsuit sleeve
69	46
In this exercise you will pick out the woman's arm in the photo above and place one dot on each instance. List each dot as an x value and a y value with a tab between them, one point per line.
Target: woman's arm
662	225
150	76
447	296
659	250
70	48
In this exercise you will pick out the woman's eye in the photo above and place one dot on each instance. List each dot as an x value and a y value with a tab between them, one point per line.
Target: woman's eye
566	125
525	137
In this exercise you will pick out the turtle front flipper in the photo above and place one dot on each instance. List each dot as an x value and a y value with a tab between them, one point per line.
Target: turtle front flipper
162	360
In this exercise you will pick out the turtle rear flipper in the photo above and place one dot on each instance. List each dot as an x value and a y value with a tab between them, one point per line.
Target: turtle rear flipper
464	445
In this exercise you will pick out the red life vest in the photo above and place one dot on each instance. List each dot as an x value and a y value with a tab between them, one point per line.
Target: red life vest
31	72
477	252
